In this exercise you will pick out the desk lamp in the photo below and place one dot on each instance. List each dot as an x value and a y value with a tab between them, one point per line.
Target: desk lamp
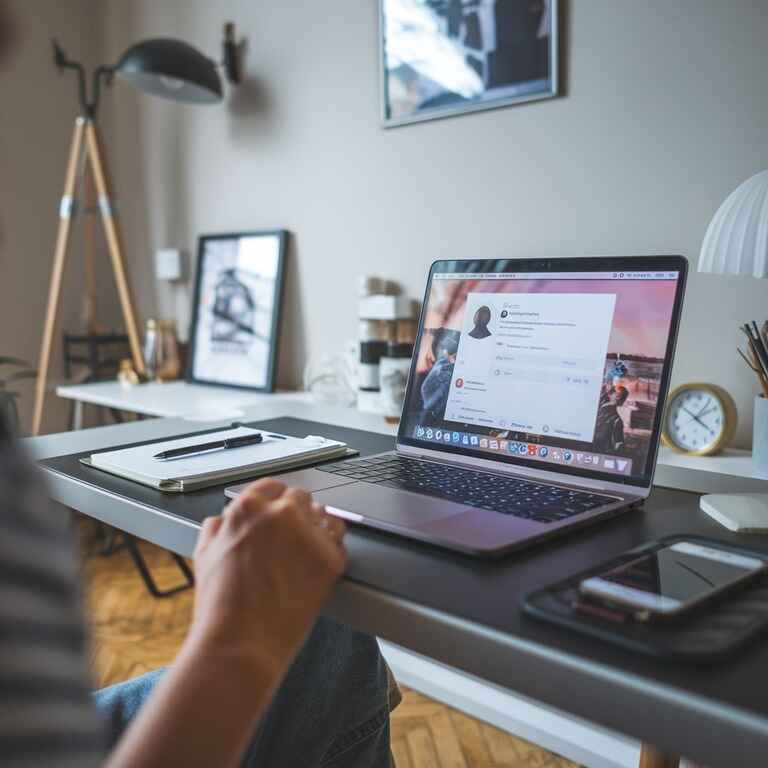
161	67
736	243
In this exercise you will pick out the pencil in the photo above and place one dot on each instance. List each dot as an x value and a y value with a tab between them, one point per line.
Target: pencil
760	347
758	355
756	346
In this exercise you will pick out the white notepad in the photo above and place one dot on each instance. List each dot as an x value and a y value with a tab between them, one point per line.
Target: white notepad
276	453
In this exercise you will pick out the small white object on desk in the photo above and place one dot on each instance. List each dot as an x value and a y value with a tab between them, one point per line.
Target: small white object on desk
739	512
745	512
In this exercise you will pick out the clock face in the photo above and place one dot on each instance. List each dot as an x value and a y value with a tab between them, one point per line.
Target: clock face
695	420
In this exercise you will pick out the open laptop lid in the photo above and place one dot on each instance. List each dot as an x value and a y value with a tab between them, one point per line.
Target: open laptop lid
558	365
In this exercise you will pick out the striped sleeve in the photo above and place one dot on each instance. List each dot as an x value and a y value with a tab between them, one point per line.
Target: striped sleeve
47	715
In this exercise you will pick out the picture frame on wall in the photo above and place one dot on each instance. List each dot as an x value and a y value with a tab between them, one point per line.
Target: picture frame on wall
448	57
236	307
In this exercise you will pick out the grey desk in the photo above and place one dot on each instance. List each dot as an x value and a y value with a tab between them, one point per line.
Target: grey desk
465	613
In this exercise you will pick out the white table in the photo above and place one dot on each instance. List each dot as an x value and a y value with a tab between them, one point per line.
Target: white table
173	399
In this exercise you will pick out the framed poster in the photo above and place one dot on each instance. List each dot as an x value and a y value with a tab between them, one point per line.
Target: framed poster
447	57
236	310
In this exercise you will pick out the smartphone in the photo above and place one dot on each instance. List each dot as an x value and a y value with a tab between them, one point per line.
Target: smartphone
673	580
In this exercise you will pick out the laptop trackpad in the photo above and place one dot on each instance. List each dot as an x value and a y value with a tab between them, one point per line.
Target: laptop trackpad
387	504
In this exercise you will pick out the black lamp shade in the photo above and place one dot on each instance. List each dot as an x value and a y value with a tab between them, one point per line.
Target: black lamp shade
172	69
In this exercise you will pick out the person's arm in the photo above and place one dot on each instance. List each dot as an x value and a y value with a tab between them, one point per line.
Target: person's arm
264	569
202	713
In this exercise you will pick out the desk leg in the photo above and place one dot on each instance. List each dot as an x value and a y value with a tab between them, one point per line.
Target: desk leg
650	757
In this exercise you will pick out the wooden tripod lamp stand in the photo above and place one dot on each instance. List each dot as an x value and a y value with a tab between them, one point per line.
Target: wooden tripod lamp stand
162	67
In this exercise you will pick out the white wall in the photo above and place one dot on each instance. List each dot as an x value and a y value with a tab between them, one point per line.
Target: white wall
37	112
665	112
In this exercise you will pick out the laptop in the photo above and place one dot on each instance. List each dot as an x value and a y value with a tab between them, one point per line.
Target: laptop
533	405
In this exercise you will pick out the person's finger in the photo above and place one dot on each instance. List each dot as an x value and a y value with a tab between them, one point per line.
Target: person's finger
320	530
298	496
253	499
267	488
209	529
321	517
330	541
293	506
335	528
329	538
317	513
331	524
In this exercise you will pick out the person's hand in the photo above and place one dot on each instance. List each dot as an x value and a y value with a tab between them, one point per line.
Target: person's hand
264	568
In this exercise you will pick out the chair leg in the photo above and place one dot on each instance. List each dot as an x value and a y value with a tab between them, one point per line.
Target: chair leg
146	576
112	542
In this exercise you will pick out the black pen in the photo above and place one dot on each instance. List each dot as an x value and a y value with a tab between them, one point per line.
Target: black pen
231	442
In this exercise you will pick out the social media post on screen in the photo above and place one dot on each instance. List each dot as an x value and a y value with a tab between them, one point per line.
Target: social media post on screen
552	368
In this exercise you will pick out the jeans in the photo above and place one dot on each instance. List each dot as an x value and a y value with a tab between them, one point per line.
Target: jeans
332	708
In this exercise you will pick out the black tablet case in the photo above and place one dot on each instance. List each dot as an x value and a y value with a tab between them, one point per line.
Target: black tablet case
713	631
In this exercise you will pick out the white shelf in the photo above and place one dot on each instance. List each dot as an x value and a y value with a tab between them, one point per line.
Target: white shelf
729	472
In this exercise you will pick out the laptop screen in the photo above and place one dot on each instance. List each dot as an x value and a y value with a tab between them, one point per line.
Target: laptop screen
561	364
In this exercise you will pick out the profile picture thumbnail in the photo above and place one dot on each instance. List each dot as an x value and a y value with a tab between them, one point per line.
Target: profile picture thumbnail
481	319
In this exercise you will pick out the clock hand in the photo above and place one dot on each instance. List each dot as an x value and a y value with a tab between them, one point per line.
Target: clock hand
694	417
706	426
704	407
701	415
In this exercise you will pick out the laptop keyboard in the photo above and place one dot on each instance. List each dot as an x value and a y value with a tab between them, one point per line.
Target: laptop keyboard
507	496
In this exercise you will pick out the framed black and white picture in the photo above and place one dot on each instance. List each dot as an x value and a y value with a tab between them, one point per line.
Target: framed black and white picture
236	309
447	57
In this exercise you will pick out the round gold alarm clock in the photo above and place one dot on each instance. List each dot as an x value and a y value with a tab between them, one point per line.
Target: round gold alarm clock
700	419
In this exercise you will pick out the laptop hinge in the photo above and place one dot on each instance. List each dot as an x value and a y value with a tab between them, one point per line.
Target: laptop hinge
636	494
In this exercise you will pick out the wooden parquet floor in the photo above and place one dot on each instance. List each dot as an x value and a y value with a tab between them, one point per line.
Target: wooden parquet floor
133	633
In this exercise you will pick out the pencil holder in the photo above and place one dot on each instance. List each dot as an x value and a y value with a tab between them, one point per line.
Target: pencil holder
760	436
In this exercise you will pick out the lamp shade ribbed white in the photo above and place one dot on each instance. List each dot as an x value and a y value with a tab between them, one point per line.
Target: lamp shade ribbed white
736	242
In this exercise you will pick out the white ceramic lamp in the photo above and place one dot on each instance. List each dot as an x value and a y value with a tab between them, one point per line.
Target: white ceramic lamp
736	243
